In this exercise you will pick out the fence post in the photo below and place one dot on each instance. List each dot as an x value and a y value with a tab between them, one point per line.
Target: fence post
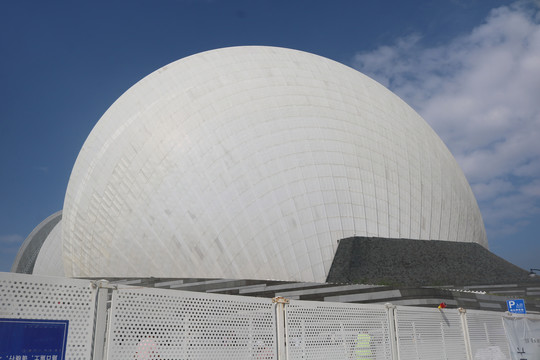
100	323
281	326
465	329
390	308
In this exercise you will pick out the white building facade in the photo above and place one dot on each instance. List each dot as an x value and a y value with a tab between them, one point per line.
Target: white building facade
252	162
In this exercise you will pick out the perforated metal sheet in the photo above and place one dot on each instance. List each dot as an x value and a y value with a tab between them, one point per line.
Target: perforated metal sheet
523	334
487	337
426	333
39	297
325	331
167	324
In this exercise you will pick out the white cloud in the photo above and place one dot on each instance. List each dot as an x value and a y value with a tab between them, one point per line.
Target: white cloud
532	189
43	169
481	93
489	190
11	239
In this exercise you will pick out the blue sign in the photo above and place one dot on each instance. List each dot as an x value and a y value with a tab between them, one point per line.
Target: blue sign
23	339
516	306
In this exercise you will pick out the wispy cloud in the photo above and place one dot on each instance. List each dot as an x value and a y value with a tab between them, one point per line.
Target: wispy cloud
43	169
481	93
11	239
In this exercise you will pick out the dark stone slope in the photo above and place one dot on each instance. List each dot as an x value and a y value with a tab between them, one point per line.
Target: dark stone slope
405	262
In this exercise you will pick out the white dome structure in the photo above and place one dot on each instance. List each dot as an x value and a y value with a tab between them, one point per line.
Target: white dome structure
253	162
49	260
35	243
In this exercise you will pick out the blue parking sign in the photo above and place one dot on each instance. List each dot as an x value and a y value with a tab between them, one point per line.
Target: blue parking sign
516	306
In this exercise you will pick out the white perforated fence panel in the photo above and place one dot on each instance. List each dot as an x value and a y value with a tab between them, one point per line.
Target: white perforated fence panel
169	324
426	333
523	334
47	298
317	330
487	337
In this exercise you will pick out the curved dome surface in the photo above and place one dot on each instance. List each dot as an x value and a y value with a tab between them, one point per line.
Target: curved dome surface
49	261
33	244
252	162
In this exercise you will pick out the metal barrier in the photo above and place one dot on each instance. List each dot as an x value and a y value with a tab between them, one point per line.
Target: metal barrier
323	330
30	297
426	333
147	323
486	335
126	322
523	336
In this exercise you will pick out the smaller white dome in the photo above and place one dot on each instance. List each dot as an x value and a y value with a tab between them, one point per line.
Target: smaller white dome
49	260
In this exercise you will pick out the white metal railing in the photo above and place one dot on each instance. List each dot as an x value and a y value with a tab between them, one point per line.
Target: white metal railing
428	333
324	330
486	335
147	323
30	297
156	323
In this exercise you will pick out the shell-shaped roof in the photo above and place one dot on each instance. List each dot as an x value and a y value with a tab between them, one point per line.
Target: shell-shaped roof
49	260
32	246
252	162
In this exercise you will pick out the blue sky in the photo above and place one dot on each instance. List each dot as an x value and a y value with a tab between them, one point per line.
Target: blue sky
470	68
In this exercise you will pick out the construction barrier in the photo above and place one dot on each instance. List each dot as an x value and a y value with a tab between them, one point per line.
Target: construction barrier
31	303
148	323
95	320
